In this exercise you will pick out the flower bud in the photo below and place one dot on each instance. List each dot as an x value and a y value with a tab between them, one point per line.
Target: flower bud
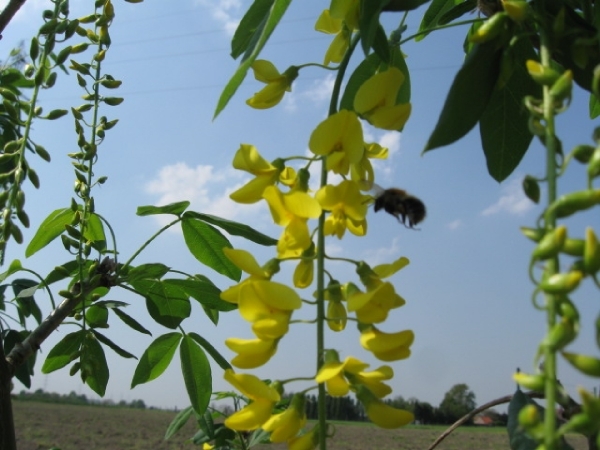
546	76
534	382
490	28
551	244
569	204
583	153
517	10
561	334
561	283
531	189
562	88
591	252
593	168
585	364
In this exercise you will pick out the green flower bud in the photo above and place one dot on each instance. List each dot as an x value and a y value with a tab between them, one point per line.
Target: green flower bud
573	247
561	334
546	76
517	10
569	204
561	283
585	364
535	234
562	88
583	153
490	28
551	244
533	382
531	189
593	168
591	252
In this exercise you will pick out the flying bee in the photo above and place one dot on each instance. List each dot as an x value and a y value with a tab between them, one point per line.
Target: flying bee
401	205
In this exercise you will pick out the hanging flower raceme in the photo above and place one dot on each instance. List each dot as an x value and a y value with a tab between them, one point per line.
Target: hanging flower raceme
381	414
340	139
348	208
262	397
387	346
292	211
286	425
277	84
375	100
266	174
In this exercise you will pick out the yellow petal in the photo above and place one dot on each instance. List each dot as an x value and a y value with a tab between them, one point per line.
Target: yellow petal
274	197
304	273
388	417
328	371
252	353
245	261
302	205
337	386
272	327
338	47
379	90
251	386
390	117
378	341
265	71
387	270
268	96
327	24
339	132
252	191
294	240
277	295
251	417
247	158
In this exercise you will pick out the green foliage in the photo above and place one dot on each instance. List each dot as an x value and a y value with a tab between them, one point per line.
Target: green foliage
156	358
457	402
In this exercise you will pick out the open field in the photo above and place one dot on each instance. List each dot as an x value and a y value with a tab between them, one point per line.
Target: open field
41	426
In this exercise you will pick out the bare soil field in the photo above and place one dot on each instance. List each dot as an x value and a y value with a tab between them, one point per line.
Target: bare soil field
41	426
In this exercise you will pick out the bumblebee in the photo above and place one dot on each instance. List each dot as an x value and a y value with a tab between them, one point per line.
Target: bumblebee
401	205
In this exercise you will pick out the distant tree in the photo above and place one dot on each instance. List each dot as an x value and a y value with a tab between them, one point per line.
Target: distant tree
457	402
424	412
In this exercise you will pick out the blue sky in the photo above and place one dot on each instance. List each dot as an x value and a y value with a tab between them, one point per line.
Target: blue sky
467	289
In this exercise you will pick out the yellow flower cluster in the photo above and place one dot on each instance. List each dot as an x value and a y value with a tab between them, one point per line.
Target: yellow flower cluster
338	143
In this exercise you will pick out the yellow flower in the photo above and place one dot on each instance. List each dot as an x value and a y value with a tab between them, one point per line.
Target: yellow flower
246	262
375	100
251	353
292	211
332	373
288	424
266	174
304	273
330	25
382	415
259	410
268	306
348	208
340	138
277	84
374	305
336	315
387	270
387	346
307	441
207	446
373	380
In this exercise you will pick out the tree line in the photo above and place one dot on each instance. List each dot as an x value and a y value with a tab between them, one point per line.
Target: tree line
72	398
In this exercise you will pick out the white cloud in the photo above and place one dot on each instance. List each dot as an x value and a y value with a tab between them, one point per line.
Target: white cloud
512	200
384	254
207	189
454	224
391	140
224	12
320	90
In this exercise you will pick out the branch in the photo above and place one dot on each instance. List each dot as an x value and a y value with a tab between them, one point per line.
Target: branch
8	13
469	416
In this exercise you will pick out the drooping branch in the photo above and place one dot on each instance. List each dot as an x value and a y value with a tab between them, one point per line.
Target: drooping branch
470	415
9	12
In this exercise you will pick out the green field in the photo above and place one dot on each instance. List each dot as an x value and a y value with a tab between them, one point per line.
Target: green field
41	426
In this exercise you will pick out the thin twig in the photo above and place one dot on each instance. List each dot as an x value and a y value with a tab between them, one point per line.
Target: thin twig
470	415
9	12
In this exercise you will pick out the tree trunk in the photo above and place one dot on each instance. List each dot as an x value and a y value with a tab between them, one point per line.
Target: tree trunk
7	425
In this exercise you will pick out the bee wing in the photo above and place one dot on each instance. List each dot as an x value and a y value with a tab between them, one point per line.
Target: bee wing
375	190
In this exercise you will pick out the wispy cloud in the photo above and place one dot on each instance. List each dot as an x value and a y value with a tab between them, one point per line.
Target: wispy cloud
512	200
384	254
455	224
206	188
225	12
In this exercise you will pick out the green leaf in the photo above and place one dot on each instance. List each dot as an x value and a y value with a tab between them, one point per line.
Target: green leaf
93	365
147	271
118	350
167	304
25	370
518	438
24	289
62	353
96	316
259	40
61	272
457	11
469	95
251	24
94	232
14	267
206	243
503	126
234	228
173	208
219	359
196	374
49	229
111	304
179	421
594	105
431	18
369	22
204	291
156	358
131	322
